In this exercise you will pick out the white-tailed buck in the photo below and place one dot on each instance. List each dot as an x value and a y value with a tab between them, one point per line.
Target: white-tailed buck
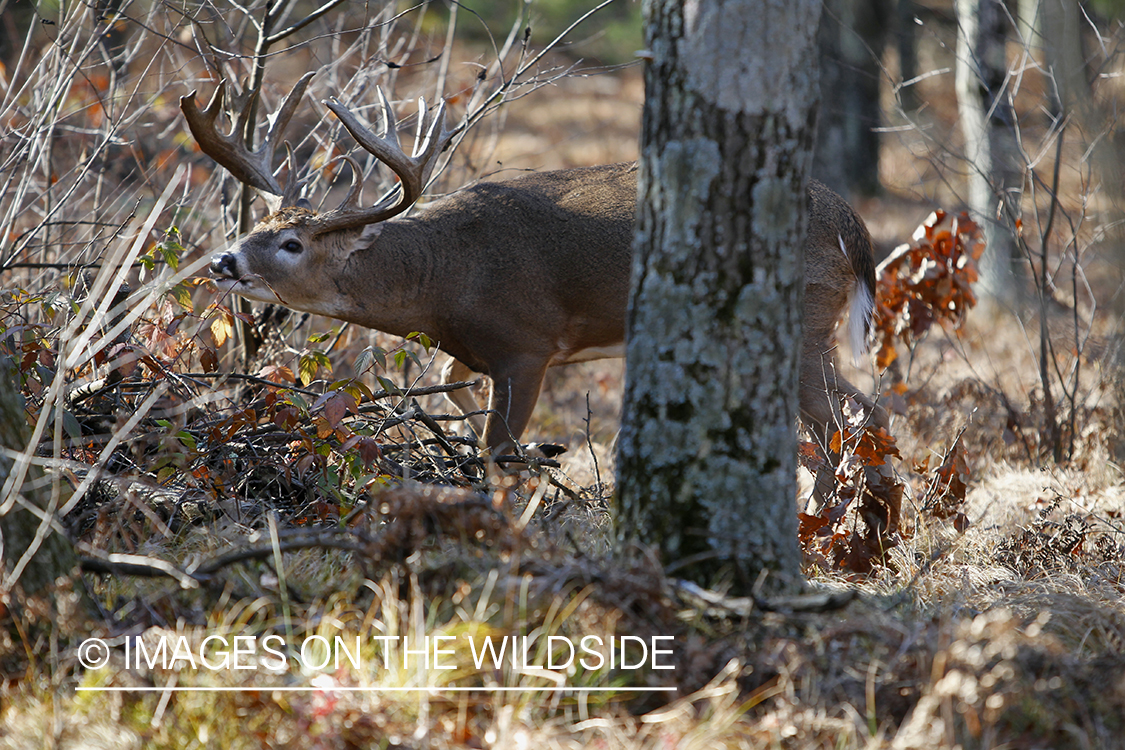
509	277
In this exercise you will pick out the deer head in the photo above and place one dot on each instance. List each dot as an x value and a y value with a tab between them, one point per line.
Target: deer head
294	255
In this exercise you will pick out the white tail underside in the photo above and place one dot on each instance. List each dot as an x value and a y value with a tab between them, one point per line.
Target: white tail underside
859	321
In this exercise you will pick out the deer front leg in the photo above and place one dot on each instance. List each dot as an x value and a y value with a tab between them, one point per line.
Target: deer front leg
515	389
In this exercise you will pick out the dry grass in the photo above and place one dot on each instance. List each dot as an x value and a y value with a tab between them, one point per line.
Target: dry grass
1010	633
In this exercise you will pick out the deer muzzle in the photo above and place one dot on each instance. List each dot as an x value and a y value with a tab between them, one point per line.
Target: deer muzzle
224	265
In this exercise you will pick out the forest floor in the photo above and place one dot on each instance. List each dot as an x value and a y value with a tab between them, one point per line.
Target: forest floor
1005	628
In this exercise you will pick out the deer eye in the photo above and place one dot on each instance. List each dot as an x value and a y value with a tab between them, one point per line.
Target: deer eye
292	246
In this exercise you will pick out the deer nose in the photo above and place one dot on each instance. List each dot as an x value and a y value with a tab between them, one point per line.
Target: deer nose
224	265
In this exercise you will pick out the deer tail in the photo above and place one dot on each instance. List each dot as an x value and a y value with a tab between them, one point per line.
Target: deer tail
862	311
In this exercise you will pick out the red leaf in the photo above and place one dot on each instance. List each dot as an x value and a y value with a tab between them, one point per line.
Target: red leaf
209	360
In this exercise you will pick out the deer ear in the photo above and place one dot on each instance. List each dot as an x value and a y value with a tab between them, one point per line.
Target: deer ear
304	203
370	232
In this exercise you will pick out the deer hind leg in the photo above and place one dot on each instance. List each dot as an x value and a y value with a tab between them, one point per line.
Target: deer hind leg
822	395
455	371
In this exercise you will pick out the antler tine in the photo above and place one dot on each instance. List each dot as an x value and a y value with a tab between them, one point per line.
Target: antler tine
385	148
351	200
390	121
251	167
412	171
280	119
432	137
229	150
292	193
215	106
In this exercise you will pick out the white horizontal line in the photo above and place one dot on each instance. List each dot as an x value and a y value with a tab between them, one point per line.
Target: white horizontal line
343	689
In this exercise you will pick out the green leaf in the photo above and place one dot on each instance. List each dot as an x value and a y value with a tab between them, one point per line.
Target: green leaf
421	338
188	440
70	424
181	294
171	248
364	361
388	385
297	400
307	368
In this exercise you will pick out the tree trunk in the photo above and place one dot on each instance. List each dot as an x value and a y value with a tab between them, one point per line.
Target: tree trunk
850	44
1059	25
988	125
706	465
906	41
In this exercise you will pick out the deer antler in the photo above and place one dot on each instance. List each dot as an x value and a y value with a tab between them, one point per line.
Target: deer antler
251	167
413	171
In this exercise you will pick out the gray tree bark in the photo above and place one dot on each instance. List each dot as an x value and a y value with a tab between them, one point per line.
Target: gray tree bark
988	125
706	463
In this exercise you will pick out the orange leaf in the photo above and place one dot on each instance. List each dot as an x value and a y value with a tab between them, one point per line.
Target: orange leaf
221	329
276	374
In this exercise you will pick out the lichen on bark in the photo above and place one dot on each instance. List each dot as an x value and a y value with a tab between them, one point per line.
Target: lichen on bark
706	466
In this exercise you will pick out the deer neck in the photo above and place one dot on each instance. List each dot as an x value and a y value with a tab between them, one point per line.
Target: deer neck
389	279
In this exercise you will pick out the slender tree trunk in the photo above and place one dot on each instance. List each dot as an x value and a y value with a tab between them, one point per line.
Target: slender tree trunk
850	43
1059	25
706	466
1055	27
988	125
906	41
